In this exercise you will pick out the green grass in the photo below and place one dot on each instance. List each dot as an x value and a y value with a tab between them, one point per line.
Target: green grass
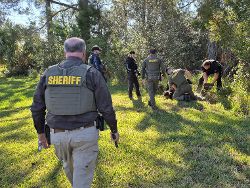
183	145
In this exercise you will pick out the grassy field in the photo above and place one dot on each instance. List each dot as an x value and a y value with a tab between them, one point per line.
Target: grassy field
183	145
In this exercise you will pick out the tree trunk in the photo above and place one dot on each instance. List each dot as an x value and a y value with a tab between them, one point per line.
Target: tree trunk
125	23
48	19
84	19
212	50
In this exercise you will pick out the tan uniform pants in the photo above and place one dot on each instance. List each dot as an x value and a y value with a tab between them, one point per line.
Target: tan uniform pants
78	150
180	91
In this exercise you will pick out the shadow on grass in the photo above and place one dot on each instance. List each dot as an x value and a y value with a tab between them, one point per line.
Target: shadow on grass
11	127
226	103
204	142
223	97
51	177
15	158
162	120
183	104
10	176
15	90
102	179
138	106
192	104
9	112
118	88
208	163
17	137
14	133
10	81
134	177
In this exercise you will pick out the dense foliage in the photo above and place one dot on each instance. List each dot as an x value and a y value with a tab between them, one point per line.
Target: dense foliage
183	31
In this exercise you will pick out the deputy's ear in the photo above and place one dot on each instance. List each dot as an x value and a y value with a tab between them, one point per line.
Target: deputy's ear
84	56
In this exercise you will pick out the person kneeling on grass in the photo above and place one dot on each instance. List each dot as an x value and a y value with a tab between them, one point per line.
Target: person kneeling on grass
210	67
179	85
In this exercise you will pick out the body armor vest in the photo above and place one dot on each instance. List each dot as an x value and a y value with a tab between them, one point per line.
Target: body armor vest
178	77
66	91
153	68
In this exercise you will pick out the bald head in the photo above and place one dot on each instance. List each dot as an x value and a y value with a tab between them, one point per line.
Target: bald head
74	47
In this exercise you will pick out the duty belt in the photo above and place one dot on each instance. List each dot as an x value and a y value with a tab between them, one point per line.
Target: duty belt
67	130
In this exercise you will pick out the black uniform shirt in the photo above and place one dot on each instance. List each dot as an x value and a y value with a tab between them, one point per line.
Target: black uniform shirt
215	67
96	62
95	82
131	66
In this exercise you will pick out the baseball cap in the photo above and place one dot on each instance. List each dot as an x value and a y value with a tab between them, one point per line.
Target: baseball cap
95	47
152	51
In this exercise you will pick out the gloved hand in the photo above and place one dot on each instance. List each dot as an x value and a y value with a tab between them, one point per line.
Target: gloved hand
115	138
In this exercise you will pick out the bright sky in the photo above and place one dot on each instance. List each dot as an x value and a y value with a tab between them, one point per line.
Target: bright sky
24	19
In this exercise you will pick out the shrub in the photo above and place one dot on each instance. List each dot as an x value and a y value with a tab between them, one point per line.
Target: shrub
240	96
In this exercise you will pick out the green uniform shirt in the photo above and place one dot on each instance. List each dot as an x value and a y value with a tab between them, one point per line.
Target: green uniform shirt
178	78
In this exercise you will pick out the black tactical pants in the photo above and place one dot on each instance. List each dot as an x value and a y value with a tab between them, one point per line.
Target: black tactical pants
133	81
219	82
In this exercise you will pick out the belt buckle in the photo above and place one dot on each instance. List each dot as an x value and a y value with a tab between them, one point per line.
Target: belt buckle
58	130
